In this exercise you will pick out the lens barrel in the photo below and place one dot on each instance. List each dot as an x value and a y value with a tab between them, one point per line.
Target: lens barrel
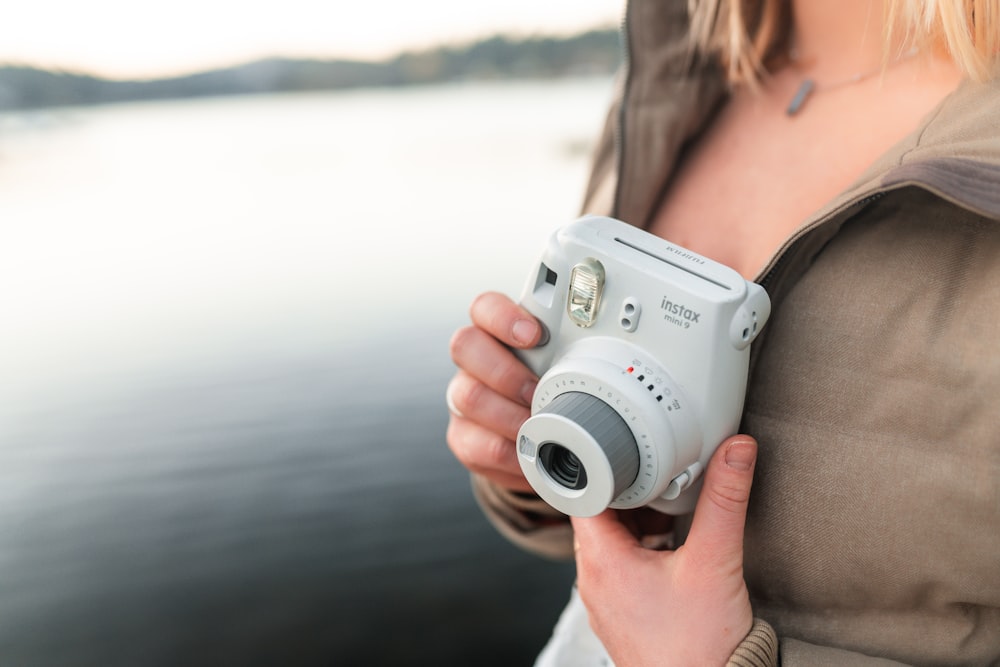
586	451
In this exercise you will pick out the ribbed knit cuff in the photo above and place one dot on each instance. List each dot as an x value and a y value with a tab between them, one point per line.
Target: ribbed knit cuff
758	649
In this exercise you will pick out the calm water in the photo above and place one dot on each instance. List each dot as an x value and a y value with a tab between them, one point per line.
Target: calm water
223	350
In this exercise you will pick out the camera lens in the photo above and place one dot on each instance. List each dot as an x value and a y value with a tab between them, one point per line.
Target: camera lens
578	453
563	466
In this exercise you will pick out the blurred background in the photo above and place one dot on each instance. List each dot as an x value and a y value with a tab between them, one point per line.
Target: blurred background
235	239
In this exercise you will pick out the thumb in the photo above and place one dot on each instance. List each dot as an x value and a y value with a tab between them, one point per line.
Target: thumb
717	528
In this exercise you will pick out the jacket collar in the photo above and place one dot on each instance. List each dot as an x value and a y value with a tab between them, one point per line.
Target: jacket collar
667	99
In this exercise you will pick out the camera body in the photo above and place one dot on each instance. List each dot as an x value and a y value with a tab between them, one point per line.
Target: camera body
643	368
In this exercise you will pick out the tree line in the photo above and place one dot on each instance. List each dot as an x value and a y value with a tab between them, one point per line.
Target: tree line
595	52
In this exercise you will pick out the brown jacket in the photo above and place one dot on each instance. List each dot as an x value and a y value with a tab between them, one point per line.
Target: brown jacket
873	532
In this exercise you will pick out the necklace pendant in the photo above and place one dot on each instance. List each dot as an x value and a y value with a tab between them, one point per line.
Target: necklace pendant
801	95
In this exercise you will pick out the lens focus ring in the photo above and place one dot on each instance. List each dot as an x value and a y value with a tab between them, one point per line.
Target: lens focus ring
607	429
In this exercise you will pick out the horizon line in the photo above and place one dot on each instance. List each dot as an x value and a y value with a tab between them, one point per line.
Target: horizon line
466	42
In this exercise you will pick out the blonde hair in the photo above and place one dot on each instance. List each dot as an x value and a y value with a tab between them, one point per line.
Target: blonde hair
751	35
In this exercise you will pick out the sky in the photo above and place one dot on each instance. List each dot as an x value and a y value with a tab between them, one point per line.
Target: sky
135	39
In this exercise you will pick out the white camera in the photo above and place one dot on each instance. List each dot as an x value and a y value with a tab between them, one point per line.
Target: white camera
643	370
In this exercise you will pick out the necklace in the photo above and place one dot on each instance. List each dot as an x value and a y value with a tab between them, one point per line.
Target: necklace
809	86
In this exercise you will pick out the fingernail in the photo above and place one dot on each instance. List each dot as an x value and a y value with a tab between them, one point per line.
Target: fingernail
740	455
524	331
450	401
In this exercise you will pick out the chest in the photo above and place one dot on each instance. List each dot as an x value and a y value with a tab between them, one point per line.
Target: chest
756	175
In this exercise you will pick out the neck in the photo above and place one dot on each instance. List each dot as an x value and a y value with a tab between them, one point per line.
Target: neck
837	39
839	46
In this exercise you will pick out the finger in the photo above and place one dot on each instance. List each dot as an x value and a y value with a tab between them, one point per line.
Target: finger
485	453
716	534
504	319
608	556
484	357
602	537
469	398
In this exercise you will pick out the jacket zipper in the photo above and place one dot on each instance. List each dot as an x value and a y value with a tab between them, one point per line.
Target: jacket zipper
779	259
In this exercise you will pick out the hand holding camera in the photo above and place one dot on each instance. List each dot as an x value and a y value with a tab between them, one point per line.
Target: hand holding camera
643	350
689	606
490	395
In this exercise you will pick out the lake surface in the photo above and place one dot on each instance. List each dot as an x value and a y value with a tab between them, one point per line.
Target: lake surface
223	352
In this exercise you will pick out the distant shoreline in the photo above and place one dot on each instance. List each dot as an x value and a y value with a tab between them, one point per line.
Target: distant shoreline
595	52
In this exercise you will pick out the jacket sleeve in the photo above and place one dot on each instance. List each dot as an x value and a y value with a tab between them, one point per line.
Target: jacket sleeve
761	648
526	520
758	649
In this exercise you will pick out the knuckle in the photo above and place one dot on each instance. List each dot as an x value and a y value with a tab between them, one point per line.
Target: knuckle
494	312
483	307
477	303
730	495
593	569
460	341
468	397
496	451
509	373
477	449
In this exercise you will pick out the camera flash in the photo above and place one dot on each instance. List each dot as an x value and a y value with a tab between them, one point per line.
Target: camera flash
585	286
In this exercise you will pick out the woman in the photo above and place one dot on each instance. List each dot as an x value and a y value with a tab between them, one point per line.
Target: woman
869	207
